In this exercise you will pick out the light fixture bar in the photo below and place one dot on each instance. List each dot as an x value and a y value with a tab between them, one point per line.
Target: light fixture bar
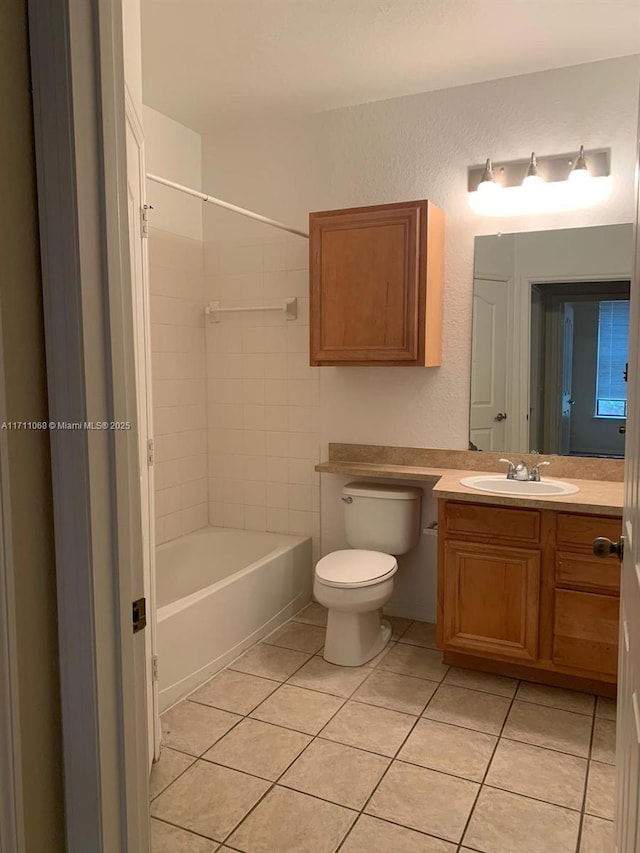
552	168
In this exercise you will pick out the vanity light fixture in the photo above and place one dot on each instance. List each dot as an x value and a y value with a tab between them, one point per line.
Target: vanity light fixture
553	183
532	178
579	171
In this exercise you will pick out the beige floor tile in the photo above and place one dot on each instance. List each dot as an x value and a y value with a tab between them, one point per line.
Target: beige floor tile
299	636
482	712
539	773
270	662
209	799
606	708
416	661
549	727
424	800
367	727
317	674
397	692
168	768
290	822
235	691
449	749
335	772
169	839
604	741
556	697
601	790
193	728
371	835
377	660
486	682
507	823
313	614
598	836
421	634
398	624
295	708
258	748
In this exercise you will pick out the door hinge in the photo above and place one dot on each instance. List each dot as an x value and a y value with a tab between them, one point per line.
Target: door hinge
154	668
144	219
151	452
139	612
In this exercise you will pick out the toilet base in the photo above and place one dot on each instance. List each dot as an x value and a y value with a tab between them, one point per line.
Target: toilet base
355	638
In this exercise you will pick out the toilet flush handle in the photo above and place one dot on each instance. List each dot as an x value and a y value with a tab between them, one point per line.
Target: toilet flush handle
348	500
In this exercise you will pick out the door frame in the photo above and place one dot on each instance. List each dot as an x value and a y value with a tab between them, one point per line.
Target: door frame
11	807
78	94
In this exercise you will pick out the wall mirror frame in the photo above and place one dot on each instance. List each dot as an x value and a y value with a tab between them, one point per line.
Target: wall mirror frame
548	328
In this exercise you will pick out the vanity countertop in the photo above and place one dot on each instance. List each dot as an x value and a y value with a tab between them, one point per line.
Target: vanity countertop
595	497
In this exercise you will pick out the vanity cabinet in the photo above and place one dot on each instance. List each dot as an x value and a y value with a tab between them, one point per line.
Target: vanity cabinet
520	593
376	279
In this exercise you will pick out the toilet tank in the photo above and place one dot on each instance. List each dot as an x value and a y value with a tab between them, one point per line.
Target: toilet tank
382	518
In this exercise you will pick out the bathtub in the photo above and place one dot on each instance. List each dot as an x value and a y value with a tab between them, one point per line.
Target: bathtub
218	591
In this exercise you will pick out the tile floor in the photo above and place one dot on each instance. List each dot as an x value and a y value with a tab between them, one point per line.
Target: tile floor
285	753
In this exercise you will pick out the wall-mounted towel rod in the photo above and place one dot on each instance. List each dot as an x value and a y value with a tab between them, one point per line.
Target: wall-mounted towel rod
289	306
212	200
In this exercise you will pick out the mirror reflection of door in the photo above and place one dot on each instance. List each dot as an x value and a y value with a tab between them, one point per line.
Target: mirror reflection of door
489	364
567	377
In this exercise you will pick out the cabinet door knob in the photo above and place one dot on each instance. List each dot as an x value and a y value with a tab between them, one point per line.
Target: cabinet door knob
603	547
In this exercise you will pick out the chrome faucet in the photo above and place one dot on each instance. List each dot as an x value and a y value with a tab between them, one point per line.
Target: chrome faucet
535	471
520	471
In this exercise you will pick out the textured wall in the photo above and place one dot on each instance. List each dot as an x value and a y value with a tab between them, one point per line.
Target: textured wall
420	147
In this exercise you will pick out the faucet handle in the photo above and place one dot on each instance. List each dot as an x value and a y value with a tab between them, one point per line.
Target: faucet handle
535	471
511	473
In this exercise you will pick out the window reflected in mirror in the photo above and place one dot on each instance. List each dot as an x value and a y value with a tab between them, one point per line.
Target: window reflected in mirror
550	341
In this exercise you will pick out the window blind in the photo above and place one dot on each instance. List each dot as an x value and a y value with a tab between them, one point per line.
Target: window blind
613	346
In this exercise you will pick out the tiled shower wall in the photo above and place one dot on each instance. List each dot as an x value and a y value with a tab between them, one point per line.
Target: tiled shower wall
179	383
262	395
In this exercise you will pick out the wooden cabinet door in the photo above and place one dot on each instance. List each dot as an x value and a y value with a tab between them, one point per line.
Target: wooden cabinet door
491	600
585	634
376	285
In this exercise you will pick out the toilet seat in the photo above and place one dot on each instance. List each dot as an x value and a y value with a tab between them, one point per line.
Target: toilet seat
355	567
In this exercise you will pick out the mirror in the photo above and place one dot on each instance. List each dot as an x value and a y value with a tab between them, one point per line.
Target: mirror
550	341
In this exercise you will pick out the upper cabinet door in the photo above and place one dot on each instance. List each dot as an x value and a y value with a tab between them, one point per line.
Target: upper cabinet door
376	285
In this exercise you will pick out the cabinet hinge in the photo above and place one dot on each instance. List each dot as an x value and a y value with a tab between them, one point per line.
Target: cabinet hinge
139	613
151	452
154	668
144	219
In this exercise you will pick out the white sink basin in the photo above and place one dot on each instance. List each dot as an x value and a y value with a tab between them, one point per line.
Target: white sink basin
498	484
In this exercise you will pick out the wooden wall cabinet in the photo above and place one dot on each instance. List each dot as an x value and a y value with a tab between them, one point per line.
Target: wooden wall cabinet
520	593
376	281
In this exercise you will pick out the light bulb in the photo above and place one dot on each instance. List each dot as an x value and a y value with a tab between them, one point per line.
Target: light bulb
487	181
532	180
579	171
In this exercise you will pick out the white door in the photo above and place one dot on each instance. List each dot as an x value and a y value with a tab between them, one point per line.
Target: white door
140	290
567	379
628	729
487	428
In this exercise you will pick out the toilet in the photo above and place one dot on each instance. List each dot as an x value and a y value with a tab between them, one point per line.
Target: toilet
381	523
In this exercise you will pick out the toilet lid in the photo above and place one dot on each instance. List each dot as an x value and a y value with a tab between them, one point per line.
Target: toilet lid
355	567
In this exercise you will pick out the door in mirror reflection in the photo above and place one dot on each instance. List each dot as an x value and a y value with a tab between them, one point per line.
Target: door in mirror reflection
550	341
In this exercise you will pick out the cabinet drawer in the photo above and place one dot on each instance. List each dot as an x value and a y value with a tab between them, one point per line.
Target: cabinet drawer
498	523
588	572
586	631
579	531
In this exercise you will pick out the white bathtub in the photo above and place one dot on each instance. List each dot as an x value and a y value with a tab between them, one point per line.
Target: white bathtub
218	591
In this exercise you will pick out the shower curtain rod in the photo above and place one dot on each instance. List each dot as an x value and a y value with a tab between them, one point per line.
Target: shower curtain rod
212	200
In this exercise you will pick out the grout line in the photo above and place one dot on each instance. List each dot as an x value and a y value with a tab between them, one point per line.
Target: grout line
586	781
481	785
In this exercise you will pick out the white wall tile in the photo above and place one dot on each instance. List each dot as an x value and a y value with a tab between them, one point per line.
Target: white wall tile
255	518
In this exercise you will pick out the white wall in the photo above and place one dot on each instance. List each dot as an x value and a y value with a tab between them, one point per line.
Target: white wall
420	147
173	151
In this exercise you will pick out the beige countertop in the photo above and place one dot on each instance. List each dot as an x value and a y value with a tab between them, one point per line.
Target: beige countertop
595	497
